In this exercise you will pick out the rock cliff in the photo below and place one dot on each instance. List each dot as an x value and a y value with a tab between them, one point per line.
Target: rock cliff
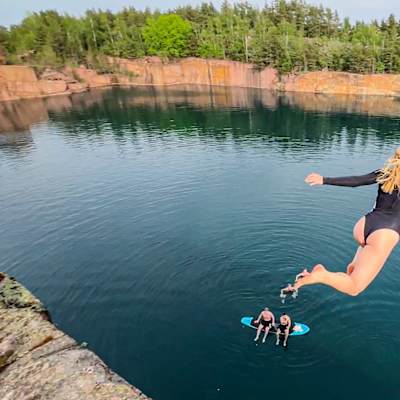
342	83
18	82
38	361
195	71
21	82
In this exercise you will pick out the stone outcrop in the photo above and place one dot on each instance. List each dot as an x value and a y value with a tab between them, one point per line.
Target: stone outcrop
38	361
91	78
21	82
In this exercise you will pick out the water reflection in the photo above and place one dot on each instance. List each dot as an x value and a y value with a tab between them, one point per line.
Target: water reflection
20	115
16	141
197	110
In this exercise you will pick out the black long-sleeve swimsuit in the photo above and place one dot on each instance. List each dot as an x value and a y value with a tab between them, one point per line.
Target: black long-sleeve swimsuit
385	214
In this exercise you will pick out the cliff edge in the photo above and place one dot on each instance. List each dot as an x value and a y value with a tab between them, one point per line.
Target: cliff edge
38	361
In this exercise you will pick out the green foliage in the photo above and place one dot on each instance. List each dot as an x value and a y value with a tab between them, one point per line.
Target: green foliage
167	35
47	56
286	34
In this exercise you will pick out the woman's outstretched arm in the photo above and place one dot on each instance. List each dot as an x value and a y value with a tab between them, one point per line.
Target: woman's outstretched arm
349	181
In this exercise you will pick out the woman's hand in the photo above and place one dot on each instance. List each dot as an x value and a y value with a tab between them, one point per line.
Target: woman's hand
314	179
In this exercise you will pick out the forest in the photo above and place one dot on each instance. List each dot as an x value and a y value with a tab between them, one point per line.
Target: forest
291	36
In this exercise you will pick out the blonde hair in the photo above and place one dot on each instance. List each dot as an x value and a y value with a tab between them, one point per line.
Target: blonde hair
389	175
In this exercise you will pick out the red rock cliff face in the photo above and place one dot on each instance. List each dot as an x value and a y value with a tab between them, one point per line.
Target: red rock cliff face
17	82
195	71
342	83
21	81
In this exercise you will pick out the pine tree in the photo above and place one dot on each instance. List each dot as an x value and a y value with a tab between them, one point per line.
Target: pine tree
290	35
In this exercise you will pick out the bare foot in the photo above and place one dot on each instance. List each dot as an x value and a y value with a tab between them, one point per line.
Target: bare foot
314	277
302	274
288	289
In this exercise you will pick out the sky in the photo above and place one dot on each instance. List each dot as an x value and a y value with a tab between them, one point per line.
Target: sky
13	11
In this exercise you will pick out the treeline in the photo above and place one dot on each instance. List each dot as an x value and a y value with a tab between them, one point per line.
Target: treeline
288	35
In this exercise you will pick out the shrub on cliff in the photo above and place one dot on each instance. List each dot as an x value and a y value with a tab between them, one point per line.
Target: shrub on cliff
167	35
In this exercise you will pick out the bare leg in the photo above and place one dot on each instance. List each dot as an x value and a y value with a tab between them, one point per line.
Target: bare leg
358	233
367	264
350	267
259	329
286	337
265	334
278	332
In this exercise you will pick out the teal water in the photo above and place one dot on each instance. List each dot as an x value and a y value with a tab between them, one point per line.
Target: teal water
150	221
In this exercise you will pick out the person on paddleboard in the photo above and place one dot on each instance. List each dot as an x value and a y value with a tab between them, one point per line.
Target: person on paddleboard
377	233
265	321
285	323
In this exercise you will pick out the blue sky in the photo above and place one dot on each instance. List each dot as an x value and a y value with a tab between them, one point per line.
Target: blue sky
12	11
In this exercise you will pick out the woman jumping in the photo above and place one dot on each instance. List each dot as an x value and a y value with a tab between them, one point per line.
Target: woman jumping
377	233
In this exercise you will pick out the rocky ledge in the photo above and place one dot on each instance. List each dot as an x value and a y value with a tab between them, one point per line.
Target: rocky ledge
38	361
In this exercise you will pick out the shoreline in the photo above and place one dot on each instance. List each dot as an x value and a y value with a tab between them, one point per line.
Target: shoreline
18	82
38	359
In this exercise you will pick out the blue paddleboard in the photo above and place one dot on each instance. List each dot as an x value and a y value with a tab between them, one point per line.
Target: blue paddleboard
298	329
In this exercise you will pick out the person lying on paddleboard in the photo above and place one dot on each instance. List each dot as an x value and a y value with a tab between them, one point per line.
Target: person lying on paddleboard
265	320
283	328
377	233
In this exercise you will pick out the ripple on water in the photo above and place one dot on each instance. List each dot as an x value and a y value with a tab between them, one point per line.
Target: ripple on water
152	230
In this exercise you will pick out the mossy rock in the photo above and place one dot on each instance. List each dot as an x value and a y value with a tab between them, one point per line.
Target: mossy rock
14	295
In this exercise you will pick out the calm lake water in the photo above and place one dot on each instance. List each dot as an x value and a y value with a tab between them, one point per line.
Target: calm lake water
150	221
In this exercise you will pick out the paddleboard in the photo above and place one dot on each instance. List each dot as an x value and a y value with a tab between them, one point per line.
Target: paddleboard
297	330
